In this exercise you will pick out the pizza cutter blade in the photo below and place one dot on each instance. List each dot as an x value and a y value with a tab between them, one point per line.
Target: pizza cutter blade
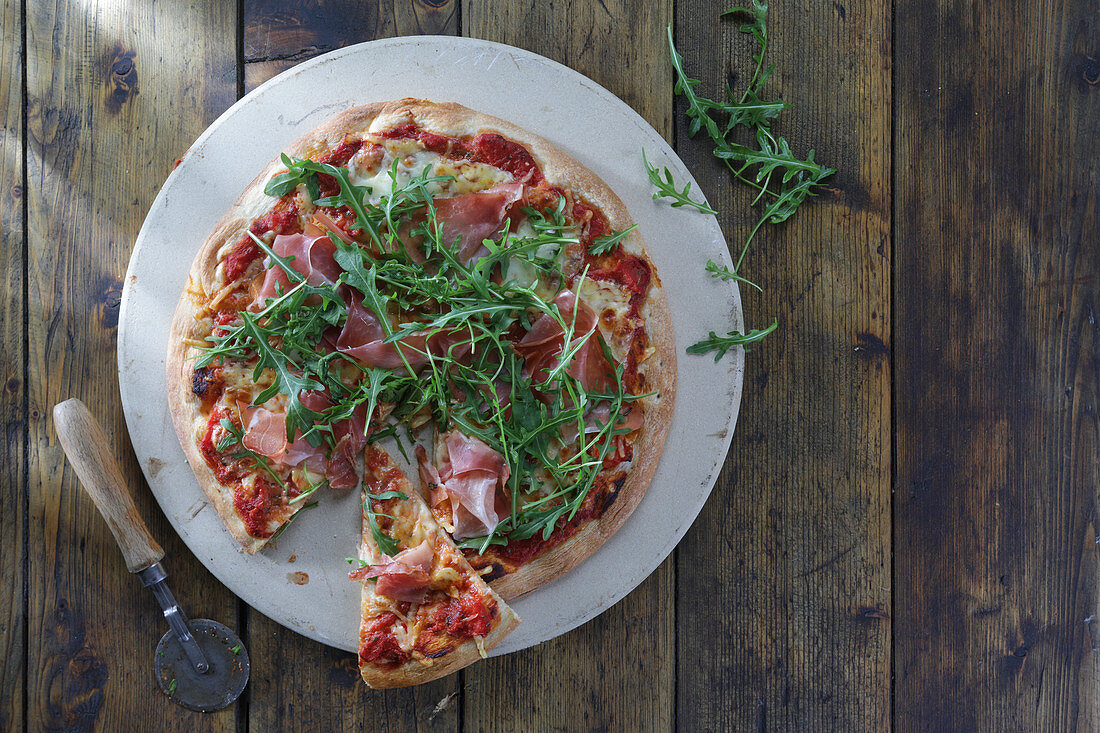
200	664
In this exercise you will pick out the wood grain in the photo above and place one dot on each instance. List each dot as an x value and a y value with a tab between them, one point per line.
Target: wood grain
783	619
110	108
280	34
13	417
301	683
998	366
617	672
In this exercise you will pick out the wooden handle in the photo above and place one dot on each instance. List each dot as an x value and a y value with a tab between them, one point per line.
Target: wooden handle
86	448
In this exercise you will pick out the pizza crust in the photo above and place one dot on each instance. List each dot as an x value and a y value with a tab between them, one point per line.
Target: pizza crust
415	672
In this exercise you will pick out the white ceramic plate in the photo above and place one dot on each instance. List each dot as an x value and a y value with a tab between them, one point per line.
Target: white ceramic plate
565	107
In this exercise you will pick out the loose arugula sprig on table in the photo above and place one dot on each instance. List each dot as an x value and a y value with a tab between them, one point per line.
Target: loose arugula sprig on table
783	181
442	298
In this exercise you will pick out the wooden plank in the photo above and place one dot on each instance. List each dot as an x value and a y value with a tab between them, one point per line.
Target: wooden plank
783	613
617	671
302	684
998	366
100	142
279	34
13	637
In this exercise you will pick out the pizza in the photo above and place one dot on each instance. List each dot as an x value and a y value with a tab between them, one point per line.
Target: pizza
446	282
428	613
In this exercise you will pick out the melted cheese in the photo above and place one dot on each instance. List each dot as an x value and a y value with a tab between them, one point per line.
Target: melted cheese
411	162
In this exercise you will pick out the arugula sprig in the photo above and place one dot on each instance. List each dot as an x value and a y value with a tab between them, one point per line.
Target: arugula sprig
722	344
781	179
721	272
386	544
666	188
608	242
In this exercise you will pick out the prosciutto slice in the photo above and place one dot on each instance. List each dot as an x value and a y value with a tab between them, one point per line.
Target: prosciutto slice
362	337
471	480
313	259
404	577
265	433
473	217
542	346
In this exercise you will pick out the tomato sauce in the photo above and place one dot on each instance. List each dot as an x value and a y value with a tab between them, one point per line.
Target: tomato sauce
500	152
255	508
282	219
595	223
466	617
377	642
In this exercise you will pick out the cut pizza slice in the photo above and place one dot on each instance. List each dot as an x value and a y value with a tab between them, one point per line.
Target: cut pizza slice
425	612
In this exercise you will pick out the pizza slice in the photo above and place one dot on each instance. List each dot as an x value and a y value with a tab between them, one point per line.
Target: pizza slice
425	611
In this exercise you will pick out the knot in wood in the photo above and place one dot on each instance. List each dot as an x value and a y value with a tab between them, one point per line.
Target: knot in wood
1090	71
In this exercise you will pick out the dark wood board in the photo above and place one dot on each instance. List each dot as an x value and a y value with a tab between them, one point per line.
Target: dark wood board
280	34
937	335
13	417
618	671
99	143
997	357
783	618
302	683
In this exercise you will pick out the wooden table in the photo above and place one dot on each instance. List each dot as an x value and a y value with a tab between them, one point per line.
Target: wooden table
905	534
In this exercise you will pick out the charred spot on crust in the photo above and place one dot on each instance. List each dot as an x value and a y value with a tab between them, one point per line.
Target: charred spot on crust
496	570
440	652
608	495
201	381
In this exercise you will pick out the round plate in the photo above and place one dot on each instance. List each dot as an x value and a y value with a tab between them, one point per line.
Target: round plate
301	579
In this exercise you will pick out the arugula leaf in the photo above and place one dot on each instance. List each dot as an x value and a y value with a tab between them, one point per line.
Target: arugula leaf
722	344
362	278
667	189
287	523
608	242
386	544
722	272
698	107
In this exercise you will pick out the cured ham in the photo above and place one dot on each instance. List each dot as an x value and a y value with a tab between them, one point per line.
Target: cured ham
471	480
542	346
362	337
265	433
313	259
474	217
404	577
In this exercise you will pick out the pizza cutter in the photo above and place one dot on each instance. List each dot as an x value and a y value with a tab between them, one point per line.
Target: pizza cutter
200	664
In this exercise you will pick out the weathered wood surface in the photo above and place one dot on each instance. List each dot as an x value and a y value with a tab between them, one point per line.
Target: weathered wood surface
280	34
13	416
997	358
110	106
953	266
783	618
